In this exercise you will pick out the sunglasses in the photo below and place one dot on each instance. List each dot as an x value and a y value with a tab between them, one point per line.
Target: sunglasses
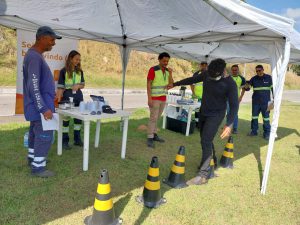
257	71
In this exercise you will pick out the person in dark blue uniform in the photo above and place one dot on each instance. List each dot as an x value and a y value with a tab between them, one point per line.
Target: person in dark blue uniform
262	88
39	94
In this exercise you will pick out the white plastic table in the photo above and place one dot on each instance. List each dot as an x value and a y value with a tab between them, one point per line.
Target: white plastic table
190	108
86	119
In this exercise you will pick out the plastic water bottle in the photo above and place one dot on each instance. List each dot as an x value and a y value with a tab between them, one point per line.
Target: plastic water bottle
26	139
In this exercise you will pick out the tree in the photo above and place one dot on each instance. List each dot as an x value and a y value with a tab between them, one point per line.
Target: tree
296	69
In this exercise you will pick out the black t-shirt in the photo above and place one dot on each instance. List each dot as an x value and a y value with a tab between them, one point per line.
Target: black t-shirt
216	93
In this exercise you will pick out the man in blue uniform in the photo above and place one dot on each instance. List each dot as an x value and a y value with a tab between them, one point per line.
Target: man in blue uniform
262	87
39	94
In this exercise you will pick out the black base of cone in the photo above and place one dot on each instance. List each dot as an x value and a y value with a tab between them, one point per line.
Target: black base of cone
88	221
177	186
226	163
155	205
227	166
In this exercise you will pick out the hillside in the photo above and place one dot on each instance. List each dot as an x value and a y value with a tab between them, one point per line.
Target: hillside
102	65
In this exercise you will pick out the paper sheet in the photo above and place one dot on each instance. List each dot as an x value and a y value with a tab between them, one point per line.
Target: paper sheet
50	124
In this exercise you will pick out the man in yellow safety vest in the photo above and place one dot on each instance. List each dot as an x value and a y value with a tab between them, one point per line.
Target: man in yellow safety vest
157	80
197	88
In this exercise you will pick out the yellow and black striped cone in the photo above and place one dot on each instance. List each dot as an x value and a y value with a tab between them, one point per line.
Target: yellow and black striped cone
104	213
176	177
151	194
211	173
227	157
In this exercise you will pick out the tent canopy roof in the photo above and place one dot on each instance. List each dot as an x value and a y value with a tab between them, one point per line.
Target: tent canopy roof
191	29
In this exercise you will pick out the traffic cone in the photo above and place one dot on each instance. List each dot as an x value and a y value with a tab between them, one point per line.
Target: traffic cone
211	173
176	177
151	194
104	213
227	157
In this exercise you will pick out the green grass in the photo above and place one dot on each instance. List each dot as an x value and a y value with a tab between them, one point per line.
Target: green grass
232	198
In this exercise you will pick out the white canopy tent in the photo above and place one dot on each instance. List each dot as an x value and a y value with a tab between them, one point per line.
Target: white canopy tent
191	29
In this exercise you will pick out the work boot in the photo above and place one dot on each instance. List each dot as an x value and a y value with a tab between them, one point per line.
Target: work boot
198	180
251	134
266	137
78	143
44	174
150	143
66	141
66	146
158	139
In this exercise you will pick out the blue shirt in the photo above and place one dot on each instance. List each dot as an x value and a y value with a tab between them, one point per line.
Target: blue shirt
262	87
38	86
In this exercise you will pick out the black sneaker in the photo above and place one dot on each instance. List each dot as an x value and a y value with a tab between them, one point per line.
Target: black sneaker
158	139
150	143
198	180
78	143
44	174
66	146
234	131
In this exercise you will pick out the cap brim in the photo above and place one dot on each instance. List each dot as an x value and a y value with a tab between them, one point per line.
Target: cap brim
57	37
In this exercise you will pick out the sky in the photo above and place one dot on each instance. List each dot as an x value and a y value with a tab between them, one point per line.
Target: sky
287	8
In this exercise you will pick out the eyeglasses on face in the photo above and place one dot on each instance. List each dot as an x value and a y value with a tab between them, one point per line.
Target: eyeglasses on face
257	71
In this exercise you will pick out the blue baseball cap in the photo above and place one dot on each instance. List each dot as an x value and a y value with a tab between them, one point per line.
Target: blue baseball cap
47	31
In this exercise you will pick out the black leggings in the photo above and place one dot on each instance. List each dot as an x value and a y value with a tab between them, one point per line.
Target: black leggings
209	126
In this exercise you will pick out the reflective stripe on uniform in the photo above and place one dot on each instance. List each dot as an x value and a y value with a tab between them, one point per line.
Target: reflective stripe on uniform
262	88
65	129
254	117
159	92
35	164
77	126
157	87
266	119
66	118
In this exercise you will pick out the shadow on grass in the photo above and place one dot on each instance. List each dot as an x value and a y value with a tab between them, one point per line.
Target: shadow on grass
73	190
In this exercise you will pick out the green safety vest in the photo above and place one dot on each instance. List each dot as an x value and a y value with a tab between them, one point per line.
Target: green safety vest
238	81
198	89
160	81
75	79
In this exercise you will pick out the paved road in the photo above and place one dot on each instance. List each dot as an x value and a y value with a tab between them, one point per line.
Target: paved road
133	98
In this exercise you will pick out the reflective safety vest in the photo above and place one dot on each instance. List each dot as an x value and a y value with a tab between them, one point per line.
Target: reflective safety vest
159	83
75	79
238	80
198	89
